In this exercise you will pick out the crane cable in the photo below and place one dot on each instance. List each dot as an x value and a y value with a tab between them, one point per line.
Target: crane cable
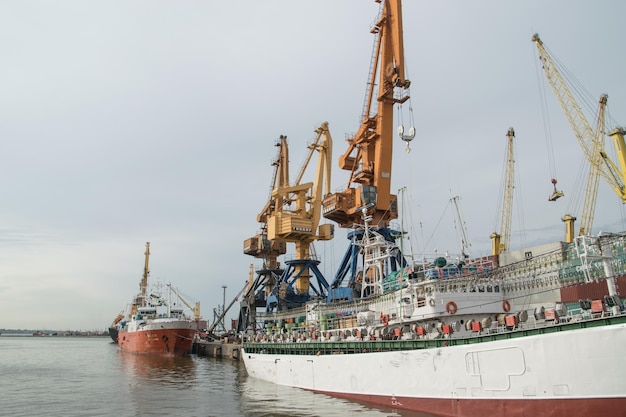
547	131
588	103
400	116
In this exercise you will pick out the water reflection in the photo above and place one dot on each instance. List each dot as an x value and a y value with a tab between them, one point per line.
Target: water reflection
158	370
263	399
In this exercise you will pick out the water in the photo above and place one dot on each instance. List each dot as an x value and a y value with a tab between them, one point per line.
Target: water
82	376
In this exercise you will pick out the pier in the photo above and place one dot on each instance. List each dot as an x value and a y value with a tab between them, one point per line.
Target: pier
223	348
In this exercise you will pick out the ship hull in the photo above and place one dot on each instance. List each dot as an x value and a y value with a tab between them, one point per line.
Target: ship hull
573	373
113	332
163	339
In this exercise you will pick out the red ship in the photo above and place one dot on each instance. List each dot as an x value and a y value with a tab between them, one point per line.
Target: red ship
151	333
155	324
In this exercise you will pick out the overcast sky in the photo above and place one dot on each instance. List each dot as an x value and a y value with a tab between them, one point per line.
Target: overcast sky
123	122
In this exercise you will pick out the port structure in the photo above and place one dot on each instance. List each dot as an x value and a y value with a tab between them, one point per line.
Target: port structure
591	141
500	242
292	215
368	157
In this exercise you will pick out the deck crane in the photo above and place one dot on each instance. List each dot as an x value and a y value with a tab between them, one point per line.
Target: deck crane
369	154
221	316
591	142
292	215
195	309
500	242
465	244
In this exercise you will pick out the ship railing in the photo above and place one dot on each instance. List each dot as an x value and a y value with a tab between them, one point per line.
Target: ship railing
574	315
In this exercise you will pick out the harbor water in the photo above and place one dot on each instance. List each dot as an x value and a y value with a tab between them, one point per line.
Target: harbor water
89	376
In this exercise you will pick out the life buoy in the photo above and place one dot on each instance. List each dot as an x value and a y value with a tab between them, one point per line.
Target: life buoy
431	302
506	306
385	319
451	307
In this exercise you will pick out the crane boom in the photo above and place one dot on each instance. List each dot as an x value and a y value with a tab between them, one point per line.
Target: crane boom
595	168
500	242
221	316
195	309
143	284
465	244
369	153
591	141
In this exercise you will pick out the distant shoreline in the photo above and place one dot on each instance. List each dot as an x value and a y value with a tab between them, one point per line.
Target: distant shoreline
54	334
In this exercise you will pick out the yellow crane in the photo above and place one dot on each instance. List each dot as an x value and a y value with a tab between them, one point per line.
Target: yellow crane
500	242
292	215
369	154
259	245
300	224
591	141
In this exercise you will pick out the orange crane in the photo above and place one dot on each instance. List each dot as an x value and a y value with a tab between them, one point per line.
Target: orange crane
591	142
368	157
369	154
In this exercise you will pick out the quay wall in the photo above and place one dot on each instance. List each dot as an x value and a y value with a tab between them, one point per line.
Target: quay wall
217	349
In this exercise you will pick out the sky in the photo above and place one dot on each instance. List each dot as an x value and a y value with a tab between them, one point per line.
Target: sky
123	122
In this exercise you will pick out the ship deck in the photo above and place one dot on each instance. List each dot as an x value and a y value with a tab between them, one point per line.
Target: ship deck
364	346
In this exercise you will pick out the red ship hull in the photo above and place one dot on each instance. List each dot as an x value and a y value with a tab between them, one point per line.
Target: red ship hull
162	342
496	407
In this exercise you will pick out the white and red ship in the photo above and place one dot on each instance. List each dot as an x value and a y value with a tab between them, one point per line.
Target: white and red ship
461	340
533	332
156	324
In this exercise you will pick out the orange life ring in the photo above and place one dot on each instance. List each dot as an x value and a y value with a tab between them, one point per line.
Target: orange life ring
506	306
385	319
451	307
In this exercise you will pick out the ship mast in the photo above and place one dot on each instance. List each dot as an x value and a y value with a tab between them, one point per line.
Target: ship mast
143	286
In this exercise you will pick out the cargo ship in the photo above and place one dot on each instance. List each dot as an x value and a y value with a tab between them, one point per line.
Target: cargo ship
536	331
468	339
156	323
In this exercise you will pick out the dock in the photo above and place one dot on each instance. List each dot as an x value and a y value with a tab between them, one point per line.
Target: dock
223	348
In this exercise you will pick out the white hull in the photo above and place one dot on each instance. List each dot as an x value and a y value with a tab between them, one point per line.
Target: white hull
581	367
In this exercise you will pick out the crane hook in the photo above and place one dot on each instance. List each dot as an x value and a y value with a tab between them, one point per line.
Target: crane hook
555	194
407	138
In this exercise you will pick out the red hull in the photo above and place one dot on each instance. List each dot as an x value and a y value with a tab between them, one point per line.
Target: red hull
578	407
161	342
